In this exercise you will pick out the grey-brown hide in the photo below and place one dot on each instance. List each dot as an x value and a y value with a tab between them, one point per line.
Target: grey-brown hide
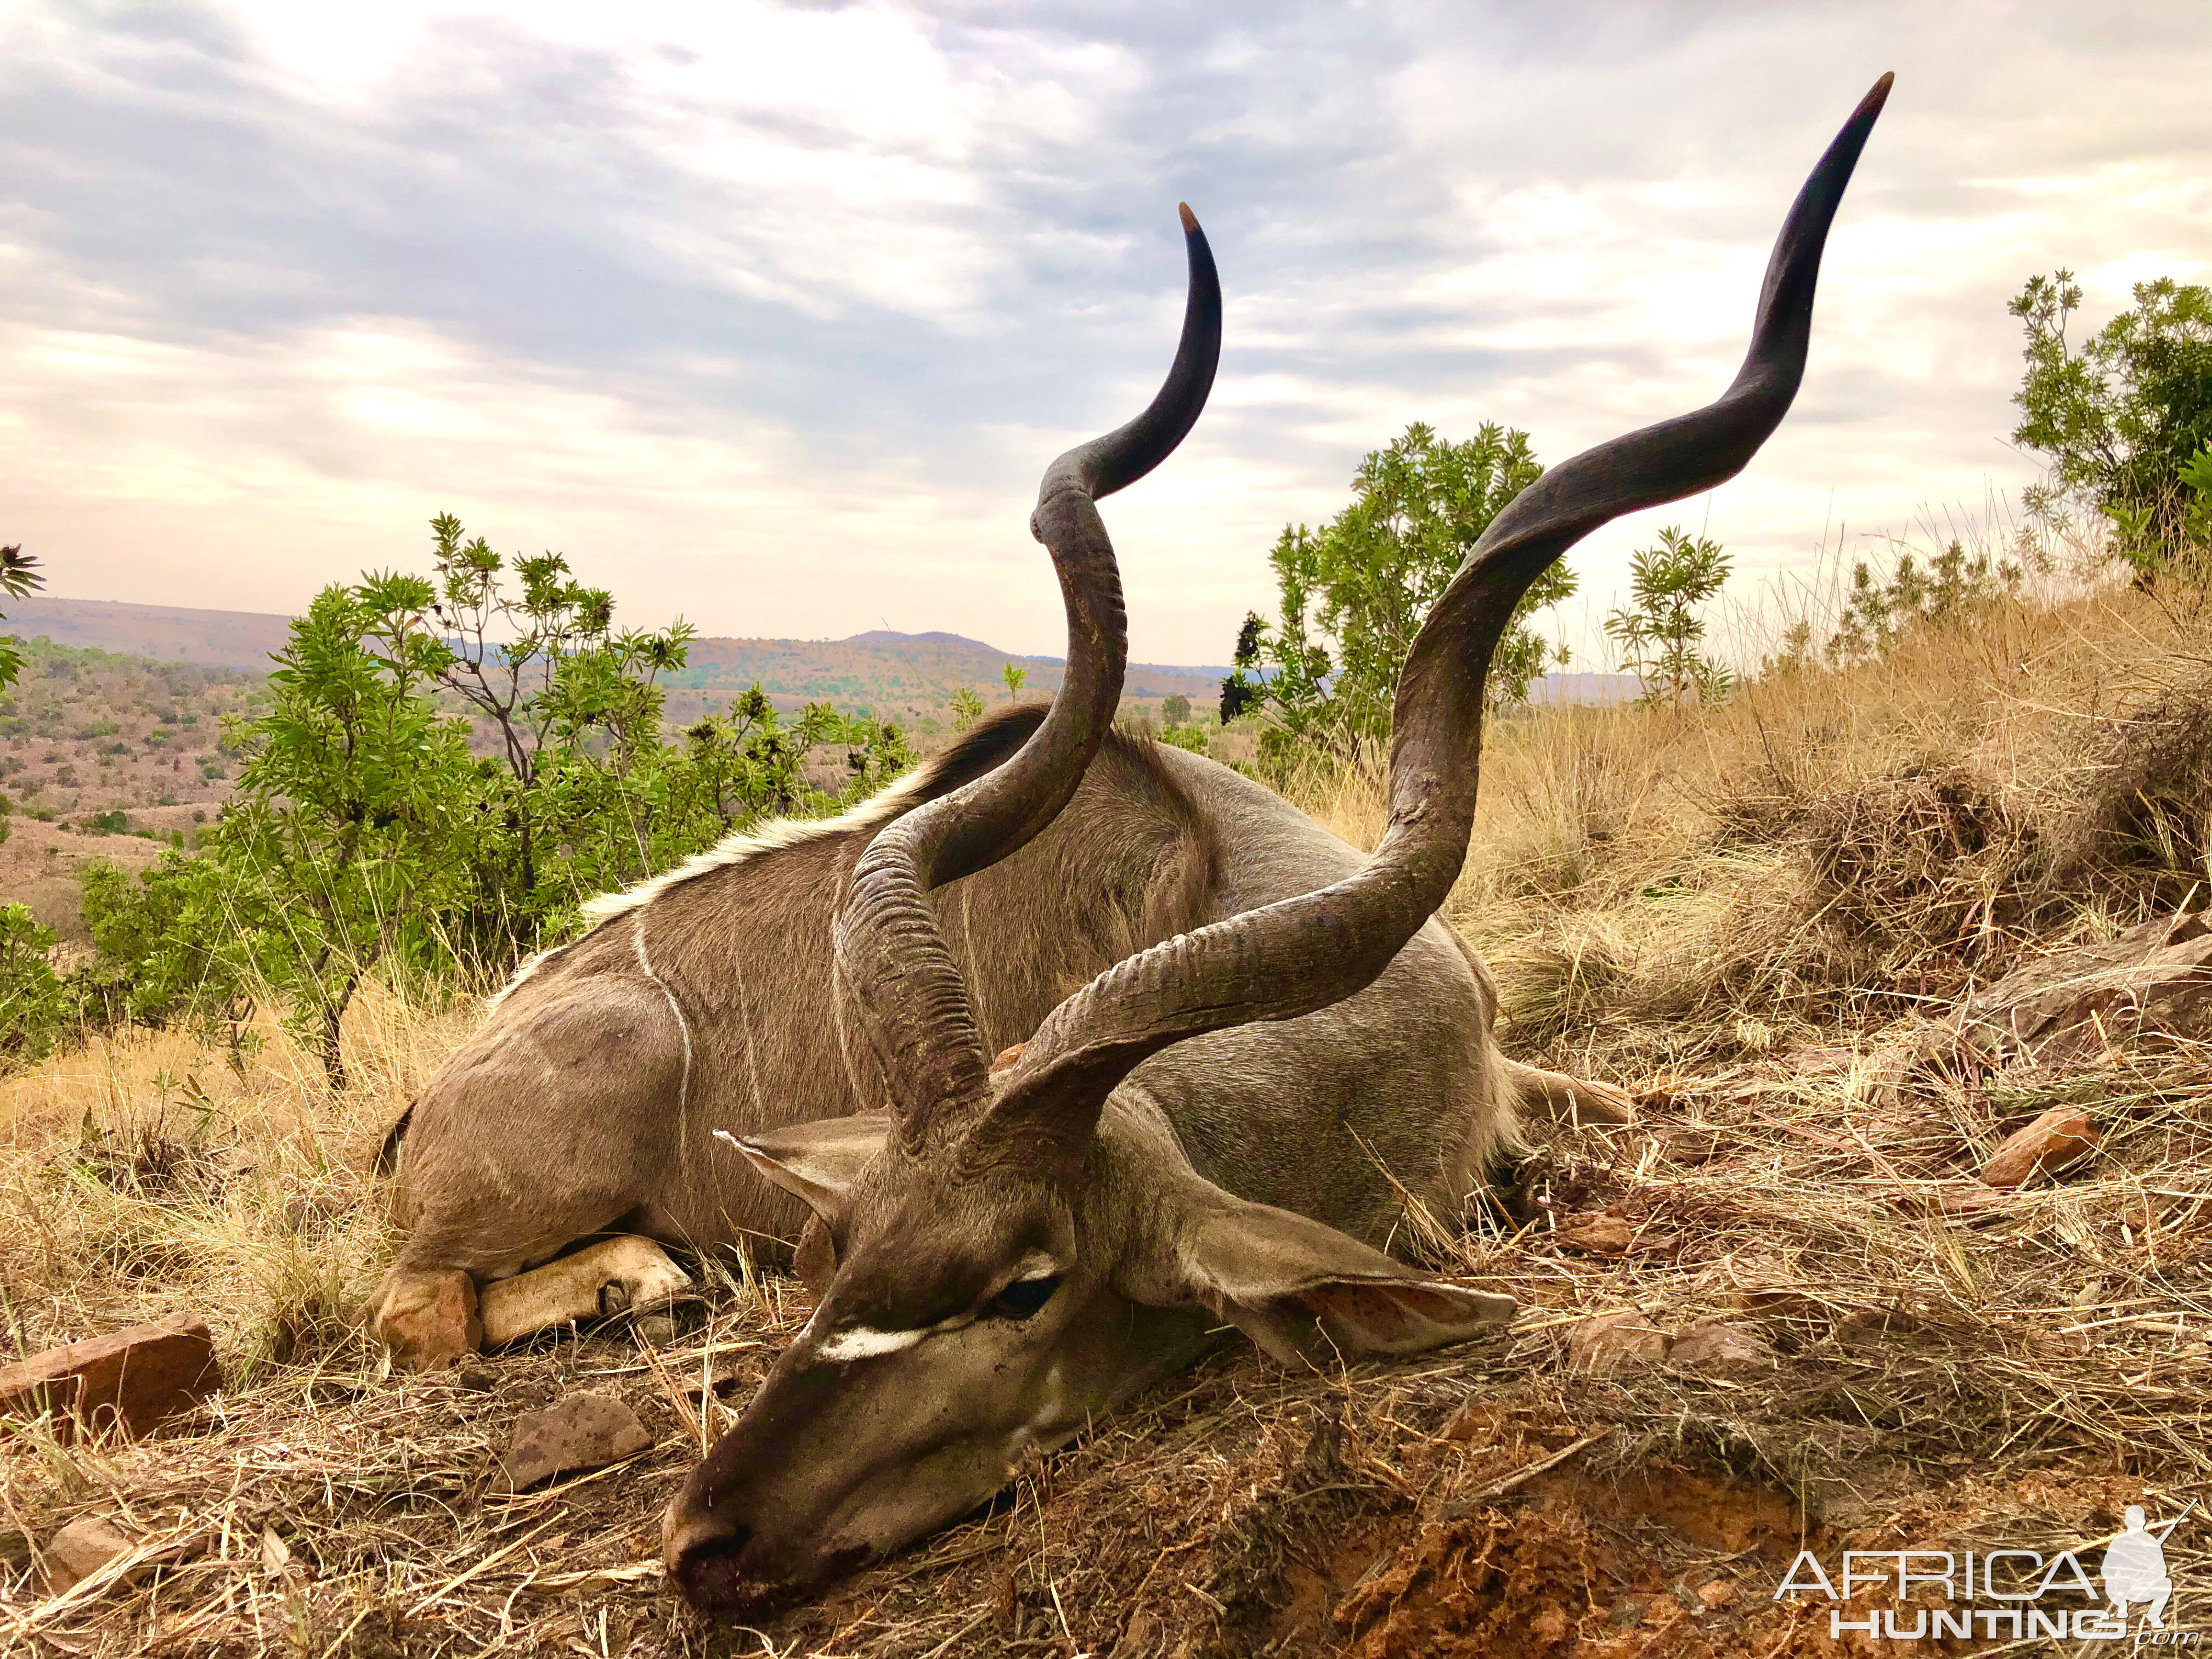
1001	1260
587	1100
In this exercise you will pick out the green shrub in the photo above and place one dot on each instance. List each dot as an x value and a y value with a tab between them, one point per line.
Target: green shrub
2122	417
1351	595
35	1006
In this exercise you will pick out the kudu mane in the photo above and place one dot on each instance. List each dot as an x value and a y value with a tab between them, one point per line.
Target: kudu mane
978	751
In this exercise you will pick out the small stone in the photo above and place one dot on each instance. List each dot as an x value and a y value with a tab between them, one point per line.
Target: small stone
1717	1594
1871	1330
1605	1233
81	1549
437	1325
1613	1342
1690	1144
585	1432
1715	1345
656	1328
2054	1141
136	1378
1140	1636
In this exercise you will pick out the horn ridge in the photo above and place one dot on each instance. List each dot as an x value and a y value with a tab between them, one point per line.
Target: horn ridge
1303	954
908	995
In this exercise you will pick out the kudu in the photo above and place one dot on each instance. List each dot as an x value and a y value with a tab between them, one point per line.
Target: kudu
706	1000
1015	1249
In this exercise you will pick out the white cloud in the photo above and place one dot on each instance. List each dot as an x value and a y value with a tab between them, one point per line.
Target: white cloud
772	315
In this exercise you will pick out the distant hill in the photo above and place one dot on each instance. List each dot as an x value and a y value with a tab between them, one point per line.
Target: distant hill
217	639
905	676
900	676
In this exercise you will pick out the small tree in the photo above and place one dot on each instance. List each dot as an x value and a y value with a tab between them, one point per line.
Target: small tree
1243	689
2120	417
967	709
19	575
541	665
1659	632
1352	595
1015	679
1174	711
352	827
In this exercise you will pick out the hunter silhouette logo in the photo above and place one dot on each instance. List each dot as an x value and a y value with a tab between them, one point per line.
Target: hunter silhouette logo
2016	1593
2135	1566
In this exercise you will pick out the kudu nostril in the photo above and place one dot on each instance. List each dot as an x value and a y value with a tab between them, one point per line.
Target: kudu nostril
706	1569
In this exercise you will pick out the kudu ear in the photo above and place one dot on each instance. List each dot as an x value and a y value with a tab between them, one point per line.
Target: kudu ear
817	1161
1305	1292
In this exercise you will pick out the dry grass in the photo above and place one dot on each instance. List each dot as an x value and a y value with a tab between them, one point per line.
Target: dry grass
1832	850
1742	917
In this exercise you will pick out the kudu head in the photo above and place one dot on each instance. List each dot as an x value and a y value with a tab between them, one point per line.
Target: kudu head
1015	1251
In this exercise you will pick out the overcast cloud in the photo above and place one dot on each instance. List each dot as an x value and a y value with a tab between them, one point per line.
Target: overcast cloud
772	316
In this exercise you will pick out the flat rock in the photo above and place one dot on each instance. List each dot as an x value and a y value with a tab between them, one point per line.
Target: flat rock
583	1432
2156	977
2058	1138
617	1275
1615	1342
1716	1345
134	1379
1596	1233
81	1549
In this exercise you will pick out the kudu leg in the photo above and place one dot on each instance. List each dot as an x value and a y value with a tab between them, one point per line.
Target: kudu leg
1570	1100
522	1146
429	1309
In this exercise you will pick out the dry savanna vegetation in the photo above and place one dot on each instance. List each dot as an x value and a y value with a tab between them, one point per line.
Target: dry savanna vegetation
1781	1311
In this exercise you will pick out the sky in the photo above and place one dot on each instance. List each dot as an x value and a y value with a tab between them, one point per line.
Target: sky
771	317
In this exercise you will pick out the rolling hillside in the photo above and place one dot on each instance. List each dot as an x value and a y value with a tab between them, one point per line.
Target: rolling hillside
906	676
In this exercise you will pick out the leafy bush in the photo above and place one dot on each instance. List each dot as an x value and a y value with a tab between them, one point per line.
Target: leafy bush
365	834
19	575
2121	418
1351	595
1955	585
35	1006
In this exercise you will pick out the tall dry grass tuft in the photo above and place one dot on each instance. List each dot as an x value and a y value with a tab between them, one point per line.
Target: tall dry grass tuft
148	1171
1836	843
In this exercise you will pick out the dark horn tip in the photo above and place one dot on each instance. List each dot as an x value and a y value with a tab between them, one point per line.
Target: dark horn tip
1190	220
1872	103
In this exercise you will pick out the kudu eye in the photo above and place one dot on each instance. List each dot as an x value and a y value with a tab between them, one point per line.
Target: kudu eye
1022	1297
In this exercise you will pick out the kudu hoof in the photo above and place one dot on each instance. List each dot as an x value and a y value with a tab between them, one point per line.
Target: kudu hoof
432	1322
